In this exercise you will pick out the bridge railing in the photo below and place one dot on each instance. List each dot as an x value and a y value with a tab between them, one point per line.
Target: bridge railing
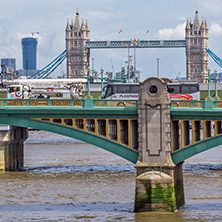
88	103
197	104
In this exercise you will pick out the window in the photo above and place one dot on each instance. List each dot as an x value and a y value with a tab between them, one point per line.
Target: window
109	92
173	89
189	89
115	89
124	89
135	89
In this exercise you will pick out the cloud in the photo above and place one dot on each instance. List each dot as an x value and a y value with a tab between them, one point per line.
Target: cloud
181	18
215	29
170	33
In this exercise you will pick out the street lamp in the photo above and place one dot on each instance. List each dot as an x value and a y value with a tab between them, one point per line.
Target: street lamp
26	67
158	67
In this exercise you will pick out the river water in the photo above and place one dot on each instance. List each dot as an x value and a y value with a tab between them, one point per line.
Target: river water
67	180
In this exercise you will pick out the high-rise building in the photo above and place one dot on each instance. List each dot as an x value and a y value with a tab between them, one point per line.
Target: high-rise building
197	36
9	63
29	53
77	55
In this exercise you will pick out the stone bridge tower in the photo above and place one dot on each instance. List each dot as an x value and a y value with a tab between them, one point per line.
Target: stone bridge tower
77	34
159	183
197	36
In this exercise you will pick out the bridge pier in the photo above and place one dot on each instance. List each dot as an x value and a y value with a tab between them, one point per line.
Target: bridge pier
12	147
159	182
159	187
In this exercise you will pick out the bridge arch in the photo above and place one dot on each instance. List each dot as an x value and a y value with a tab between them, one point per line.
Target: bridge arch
196	148
99	141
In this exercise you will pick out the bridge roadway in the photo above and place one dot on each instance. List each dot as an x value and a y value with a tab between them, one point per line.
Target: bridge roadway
113	125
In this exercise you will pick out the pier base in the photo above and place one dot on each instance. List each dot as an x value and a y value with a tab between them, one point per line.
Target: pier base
158	187
12	147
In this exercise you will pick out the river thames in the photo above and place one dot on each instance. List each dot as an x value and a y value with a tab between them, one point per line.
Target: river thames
67	180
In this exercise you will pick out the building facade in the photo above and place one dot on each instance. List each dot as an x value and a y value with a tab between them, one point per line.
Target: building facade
197	36
77	55
9	64
29	53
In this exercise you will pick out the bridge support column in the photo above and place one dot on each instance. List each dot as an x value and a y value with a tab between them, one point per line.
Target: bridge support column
158	187
12	147
159	182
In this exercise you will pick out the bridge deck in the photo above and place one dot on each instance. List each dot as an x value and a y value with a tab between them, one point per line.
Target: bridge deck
111	125
195	125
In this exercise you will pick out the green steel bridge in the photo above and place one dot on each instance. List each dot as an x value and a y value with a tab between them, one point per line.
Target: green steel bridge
113	125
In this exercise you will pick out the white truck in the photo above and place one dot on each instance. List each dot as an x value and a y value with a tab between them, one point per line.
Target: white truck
46	88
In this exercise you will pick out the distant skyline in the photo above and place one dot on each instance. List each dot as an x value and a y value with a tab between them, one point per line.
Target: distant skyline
165	20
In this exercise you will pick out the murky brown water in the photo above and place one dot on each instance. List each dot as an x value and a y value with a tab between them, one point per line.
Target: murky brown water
66	180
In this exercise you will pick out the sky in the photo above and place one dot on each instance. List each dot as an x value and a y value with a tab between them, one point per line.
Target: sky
165	20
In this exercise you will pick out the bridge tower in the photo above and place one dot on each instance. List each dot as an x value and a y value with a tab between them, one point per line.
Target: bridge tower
197	36
159	182
77	34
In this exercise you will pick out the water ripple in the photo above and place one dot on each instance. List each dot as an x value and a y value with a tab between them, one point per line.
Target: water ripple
202	167
82	168
104	207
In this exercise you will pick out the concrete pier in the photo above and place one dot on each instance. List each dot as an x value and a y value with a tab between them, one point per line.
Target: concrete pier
12	147
159	183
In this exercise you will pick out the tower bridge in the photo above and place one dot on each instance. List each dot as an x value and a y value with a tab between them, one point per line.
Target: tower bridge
78	46
155	134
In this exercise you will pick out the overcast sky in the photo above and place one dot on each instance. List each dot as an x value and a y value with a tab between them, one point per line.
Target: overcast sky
165	19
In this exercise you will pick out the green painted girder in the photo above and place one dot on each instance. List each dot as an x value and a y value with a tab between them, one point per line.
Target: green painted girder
201	146
196	114
99	141
70	112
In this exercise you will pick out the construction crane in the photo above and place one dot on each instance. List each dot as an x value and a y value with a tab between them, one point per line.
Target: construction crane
32	33
177	76
112	67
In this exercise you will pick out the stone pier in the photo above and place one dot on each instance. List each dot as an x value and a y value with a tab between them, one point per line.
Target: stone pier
12	147
159	182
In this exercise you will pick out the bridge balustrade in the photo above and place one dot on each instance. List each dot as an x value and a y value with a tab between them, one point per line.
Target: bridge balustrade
68	102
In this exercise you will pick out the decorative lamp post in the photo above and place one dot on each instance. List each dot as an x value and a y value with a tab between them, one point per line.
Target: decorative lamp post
88	81
208	81
216	80
101	78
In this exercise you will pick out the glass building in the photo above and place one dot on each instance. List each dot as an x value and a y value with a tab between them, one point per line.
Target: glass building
9	63
29	53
